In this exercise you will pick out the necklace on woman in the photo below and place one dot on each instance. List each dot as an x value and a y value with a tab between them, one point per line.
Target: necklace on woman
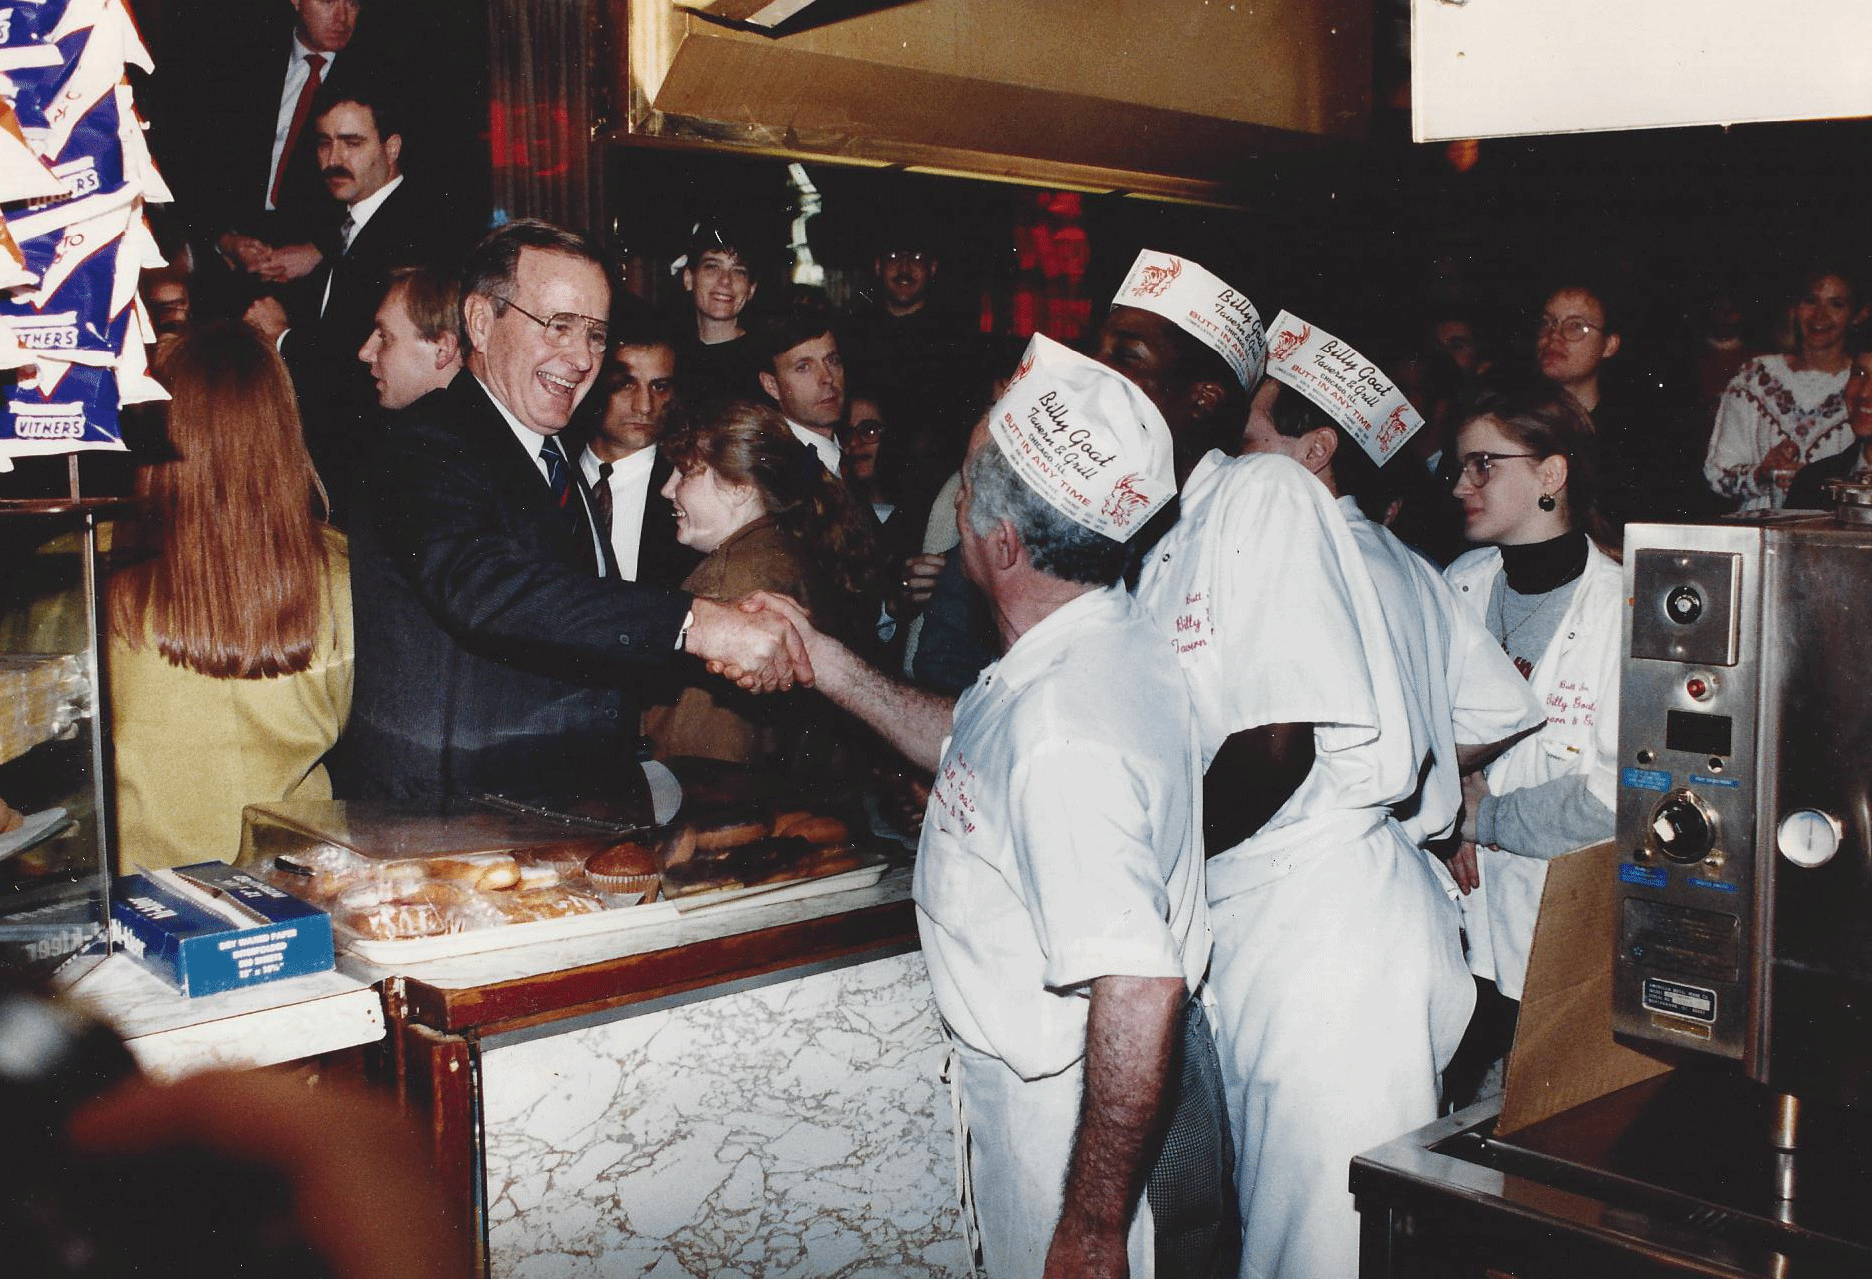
1505	633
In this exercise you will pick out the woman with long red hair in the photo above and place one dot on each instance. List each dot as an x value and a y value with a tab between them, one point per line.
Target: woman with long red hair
229	612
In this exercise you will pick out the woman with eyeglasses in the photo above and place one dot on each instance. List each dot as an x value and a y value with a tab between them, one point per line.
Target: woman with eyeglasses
1549	590
1782	412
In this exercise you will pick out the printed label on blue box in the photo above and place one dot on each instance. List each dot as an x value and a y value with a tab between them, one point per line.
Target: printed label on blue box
1644	779
1727	783
1716	884
200	952
1649	876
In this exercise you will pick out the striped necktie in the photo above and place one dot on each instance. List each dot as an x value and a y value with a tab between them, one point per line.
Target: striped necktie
559	475
601	498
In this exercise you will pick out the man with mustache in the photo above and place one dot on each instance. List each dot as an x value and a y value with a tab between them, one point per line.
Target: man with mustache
387	223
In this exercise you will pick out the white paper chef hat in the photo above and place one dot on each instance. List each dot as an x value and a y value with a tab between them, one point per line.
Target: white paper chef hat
1352	390
1203	305
1084	438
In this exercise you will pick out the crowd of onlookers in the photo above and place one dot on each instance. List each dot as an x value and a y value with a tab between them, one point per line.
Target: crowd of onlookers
690	438
429	513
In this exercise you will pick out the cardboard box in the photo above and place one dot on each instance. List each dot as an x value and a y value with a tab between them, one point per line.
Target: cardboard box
1564	1053
210	928
1176	98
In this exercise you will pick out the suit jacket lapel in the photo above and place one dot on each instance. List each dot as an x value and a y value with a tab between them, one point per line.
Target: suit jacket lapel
518	472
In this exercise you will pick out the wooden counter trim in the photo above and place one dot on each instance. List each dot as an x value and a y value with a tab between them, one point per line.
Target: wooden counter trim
632	979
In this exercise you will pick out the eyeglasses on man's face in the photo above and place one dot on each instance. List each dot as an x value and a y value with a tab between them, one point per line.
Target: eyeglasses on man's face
1573	329
563	328
1476	467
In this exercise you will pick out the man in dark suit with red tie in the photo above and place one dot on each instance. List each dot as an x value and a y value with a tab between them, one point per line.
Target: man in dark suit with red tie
254	200
496	643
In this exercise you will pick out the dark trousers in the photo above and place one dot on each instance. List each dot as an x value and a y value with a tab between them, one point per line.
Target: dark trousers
1487	1040
1192	1184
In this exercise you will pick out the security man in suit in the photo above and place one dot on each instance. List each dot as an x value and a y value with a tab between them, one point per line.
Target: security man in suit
496	642
387	223
621	461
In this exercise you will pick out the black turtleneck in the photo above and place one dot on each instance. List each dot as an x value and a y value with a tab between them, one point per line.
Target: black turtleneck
1538	567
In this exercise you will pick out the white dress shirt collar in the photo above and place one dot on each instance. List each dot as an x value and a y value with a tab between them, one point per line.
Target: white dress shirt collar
531	440
364	209
826	446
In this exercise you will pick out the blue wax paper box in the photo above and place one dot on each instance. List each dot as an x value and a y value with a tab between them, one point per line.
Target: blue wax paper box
209	928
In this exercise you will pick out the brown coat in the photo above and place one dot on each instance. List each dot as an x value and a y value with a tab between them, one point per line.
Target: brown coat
710	716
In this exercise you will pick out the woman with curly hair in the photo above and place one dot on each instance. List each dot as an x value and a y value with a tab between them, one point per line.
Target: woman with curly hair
769	517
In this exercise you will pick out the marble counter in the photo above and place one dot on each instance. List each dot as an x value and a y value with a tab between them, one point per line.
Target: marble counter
264	1025
800	1128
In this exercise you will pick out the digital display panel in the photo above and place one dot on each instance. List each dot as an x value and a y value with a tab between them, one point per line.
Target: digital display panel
1698	734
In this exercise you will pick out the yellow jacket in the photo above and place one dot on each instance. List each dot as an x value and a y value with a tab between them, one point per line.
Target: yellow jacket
192	750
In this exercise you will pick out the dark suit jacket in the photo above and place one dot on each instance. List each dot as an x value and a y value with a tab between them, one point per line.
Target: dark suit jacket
1806	493
490	658
337	399
661	559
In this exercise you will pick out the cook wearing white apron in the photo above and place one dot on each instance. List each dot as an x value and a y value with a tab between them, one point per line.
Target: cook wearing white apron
1062	843
1459	684
1577	682
1338	974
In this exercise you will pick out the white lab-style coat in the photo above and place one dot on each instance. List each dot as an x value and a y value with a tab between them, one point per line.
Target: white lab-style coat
1577	681
1062	843
1337	973
1462	686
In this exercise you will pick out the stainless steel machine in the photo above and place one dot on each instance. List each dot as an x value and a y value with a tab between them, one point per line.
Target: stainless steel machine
1745	798
1743	936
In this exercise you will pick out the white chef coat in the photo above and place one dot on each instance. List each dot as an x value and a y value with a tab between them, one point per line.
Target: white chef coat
1577	682
1337	972
1062	843
1461	686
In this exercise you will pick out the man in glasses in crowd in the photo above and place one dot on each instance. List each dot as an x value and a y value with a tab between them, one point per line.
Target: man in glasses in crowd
1651	452
497	642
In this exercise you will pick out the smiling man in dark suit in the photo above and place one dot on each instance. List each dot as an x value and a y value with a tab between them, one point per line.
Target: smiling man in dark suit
496	642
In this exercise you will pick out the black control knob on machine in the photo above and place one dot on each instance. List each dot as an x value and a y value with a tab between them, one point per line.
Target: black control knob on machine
1683	605
1683	828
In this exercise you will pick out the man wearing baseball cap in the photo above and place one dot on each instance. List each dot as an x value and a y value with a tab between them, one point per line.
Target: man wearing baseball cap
1059	884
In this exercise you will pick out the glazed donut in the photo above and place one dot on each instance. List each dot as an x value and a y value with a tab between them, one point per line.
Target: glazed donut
730	833
814	830
679	847
536	875
783	823
487	872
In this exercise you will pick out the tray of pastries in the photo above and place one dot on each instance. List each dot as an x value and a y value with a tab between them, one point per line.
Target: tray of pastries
408	882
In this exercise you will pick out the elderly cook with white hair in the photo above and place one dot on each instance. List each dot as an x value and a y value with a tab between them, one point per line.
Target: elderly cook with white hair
1059	884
